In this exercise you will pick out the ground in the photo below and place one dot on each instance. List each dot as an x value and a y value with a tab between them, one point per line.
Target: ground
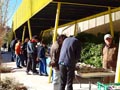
35	82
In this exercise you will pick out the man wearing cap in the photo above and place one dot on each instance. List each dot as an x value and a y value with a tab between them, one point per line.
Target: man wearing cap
109	56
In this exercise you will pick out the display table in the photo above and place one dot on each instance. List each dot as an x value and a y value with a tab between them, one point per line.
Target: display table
93	75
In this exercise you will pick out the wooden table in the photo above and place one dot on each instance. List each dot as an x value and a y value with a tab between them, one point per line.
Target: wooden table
93	75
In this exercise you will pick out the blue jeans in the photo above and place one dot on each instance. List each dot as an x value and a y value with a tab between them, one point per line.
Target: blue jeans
42	66
18	60
13	57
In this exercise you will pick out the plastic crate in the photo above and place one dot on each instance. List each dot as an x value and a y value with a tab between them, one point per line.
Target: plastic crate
102	86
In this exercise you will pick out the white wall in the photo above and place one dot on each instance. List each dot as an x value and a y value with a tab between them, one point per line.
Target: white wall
95	25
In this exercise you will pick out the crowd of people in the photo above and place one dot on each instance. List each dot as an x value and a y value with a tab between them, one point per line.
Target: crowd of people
28	54
64	54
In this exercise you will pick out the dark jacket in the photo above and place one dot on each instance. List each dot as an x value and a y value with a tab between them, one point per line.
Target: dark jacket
70	52
41	52
12	44
24	46
31	47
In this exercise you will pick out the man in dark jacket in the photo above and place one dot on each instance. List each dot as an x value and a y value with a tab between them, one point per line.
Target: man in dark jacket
32	55
12	47
24	50
42	59
69	55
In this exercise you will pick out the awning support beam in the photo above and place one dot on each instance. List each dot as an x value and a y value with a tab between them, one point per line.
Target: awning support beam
55	32
75	29
111	23
29	29
88	18
14	34
56	21
23	34
79	4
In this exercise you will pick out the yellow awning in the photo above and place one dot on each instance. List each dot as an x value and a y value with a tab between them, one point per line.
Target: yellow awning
27	9
42	13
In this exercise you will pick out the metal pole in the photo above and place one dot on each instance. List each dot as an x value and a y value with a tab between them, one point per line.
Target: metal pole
56	22
75	29
23	34
29	29
117	74
111	23
14	34
55	33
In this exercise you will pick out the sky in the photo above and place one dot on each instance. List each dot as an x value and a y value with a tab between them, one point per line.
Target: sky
13	6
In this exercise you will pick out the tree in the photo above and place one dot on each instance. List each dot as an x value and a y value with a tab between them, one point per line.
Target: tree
5	15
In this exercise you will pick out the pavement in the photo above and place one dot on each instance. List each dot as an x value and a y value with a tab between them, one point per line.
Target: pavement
34	82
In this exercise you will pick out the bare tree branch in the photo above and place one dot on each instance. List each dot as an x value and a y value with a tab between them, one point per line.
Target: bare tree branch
6	11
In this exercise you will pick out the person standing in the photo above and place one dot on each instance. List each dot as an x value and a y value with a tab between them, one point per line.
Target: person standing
32	55
109	56
54	54
24	49
42	59
18	52
69	56
12	47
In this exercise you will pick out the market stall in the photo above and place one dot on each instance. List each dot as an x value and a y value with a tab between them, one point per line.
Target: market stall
90	73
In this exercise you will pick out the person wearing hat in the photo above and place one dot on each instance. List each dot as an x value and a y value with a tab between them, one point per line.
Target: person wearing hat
109	56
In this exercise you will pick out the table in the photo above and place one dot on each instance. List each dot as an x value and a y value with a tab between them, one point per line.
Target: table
93	75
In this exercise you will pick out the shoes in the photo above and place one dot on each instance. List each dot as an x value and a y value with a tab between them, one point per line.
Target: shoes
28	73
24	65
34	73
19	67
43	74
12	60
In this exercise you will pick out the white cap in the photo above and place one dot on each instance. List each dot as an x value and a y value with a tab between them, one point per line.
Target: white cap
107	36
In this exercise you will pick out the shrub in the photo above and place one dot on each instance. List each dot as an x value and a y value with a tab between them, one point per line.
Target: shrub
10	84
5	69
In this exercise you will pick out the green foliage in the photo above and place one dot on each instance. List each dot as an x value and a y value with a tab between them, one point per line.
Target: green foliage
91	54
92	47
8	37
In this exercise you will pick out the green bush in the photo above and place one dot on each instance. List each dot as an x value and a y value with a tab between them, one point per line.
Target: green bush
92	48
91	54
